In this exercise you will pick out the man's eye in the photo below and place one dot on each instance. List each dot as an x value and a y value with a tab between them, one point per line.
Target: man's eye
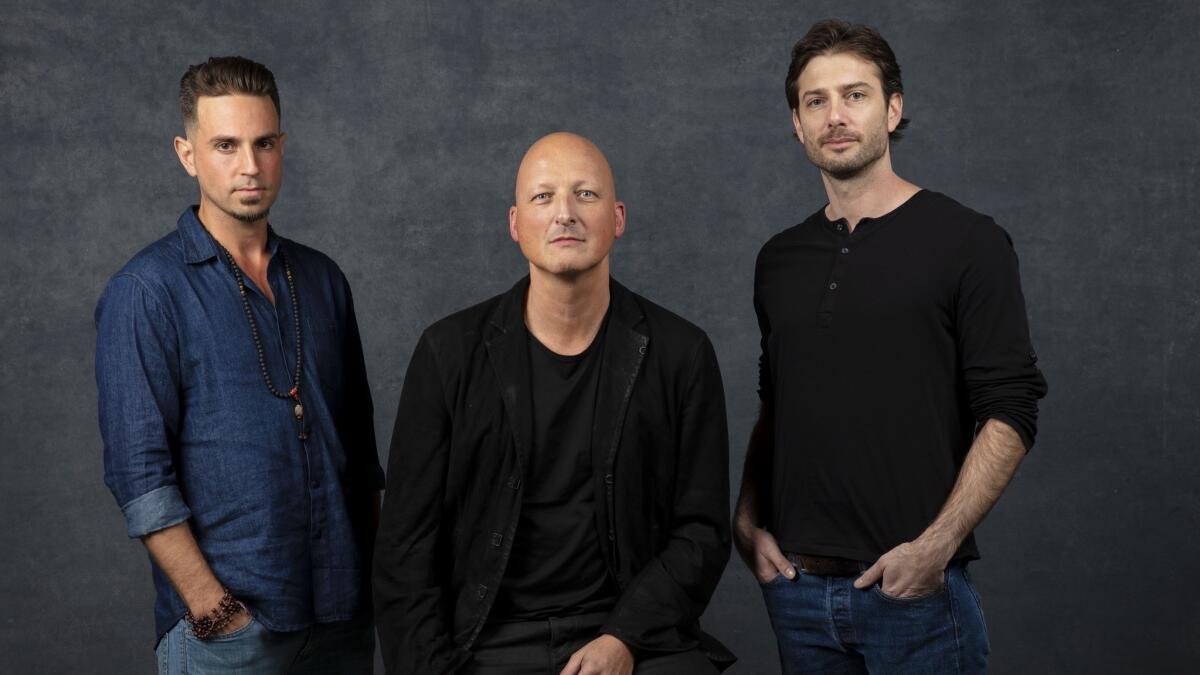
814	102
224	146
266	145
856	96
541	196
587	193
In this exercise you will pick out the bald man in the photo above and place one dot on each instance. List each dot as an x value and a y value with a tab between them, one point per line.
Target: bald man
557	490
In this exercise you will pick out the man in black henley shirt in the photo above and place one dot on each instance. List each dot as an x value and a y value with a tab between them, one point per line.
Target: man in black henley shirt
898	386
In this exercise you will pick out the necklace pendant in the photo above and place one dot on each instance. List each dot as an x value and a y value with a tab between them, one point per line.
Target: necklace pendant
299	411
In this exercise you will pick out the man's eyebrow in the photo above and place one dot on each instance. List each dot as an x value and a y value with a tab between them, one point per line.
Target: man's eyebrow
233	139
844	87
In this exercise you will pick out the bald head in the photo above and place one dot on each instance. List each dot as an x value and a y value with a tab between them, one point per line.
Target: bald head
566	215
560	150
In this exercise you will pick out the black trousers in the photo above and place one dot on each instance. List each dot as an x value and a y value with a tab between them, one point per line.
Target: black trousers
544	647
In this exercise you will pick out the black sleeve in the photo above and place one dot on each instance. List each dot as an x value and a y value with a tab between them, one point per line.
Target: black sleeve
766	390
410	603
671	592
995	353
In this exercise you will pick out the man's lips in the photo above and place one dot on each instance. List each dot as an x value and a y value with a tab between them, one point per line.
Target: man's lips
840	141
565	240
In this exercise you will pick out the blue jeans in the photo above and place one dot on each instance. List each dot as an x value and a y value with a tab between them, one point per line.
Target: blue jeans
340	647
825	625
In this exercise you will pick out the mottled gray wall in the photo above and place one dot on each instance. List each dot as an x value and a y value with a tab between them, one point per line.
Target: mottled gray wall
1075	127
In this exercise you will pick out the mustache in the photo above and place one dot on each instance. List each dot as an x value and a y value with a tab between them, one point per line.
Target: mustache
572	232
839	136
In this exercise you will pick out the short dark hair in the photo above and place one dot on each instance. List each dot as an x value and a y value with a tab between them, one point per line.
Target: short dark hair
222	76
833	36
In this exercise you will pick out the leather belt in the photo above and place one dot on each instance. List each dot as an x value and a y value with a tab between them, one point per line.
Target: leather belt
827	566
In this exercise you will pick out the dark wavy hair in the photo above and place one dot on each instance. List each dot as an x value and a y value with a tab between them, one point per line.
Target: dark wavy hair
222	76
833	36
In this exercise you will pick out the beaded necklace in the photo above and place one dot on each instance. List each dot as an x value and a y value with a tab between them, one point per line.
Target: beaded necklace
294	392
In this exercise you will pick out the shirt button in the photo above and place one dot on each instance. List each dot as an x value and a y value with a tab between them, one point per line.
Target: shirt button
315	484
612	536
833	286
845	250
481	591
839	227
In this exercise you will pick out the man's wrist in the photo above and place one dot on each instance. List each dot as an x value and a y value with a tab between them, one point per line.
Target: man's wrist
211	623
938	547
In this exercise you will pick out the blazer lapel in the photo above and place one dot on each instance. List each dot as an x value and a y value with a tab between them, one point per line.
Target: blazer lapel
624	351
509	354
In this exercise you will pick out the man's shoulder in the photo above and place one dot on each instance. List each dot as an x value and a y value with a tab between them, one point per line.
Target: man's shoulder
465	325
938	209
158	266
664	324
310	258
790	235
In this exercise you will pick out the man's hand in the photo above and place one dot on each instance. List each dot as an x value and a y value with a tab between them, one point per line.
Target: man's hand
606	655
761	552
910	570
238	621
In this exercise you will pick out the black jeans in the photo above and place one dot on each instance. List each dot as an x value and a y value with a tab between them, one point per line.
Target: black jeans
544	647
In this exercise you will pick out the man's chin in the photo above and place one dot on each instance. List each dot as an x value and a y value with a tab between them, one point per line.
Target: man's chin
251	216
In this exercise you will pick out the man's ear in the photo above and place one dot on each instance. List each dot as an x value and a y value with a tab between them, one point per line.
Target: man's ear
620	224
895	110
186	154
512	223
796	130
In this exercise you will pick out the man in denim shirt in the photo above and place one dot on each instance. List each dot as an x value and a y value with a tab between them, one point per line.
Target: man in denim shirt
235	411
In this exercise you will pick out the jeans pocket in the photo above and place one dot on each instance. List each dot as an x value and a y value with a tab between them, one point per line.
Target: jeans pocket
774	581
911	600
225	637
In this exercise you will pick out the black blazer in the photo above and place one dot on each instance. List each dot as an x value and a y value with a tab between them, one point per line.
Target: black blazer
455	481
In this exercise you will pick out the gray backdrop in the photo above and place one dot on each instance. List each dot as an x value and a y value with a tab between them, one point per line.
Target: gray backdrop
1076	127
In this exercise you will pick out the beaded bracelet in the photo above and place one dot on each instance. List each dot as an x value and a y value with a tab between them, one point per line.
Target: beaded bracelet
207	626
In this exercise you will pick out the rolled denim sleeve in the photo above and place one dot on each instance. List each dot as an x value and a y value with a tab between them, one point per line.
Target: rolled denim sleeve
137	378
996	355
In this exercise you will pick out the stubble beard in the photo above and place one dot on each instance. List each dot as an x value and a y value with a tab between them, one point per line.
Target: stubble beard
250	214
871	147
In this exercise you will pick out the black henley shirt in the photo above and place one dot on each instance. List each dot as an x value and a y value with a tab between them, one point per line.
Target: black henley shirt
883	351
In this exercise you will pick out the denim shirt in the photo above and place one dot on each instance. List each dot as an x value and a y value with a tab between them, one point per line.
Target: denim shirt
191	432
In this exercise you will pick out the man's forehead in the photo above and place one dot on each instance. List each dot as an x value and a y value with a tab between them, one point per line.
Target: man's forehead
834	70
236	109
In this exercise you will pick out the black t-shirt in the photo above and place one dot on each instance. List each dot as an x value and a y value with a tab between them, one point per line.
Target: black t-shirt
882	349
556	567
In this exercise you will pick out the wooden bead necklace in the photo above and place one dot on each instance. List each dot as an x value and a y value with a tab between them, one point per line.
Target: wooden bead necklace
294	392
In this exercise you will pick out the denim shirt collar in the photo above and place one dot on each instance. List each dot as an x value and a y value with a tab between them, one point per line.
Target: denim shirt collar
199	245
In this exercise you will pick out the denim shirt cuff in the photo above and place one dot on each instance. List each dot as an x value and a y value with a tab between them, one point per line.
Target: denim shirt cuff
156	510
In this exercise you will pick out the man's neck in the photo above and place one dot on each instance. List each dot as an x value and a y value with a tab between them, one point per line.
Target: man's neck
246	241
873	192
565	313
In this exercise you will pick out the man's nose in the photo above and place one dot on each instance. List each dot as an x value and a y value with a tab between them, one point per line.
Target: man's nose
836	113
248	161
566	212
